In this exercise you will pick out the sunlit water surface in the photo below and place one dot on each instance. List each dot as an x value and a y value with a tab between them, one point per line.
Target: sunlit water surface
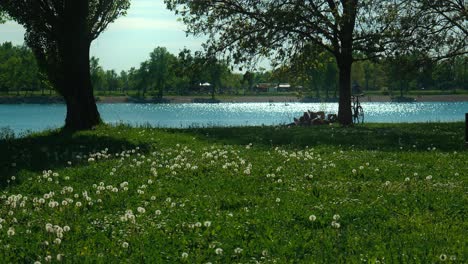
31	117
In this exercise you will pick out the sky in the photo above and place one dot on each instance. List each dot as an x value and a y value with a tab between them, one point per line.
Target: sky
128	41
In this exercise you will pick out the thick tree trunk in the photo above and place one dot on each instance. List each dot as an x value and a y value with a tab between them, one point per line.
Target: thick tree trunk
345	116
82	112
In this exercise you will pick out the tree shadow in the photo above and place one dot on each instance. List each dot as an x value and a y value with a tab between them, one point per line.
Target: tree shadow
384	137
53	151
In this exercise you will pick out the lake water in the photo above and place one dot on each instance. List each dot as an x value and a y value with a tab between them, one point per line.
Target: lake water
31	117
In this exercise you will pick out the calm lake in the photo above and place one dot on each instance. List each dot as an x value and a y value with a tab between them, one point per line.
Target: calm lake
30	117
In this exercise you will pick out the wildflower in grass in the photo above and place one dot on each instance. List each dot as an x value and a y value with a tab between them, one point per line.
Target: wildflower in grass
91	160
336	217
456	174
429	177
158	212
415	174
141	210
387	183
37	262
198	224
66	228
361	167
13	178
312	218
238	250
264	252
125	245
48	258
78	204
219	251
335	224
407	179
207	223
49	228
11	231
354	171
153	198
278	200
184	255
59	257
443	257
57	241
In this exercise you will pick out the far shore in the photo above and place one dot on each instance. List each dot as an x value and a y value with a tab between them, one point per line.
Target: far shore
221	99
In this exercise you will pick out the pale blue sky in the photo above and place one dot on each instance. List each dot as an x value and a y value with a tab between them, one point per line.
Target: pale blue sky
129	40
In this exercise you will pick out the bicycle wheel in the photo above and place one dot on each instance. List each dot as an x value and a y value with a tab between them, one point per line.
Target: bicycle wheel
359	115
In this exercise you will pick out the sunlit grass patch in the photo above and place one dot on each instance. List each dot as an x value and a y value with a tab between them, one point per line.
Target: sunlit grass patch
236	195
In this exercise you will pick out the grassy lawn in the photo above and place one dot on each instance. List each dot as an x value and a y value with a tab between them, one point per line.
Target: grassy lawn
369	194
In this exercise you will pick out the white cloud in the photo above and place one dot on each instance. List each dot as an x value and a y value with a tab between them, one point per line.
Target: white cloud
140	23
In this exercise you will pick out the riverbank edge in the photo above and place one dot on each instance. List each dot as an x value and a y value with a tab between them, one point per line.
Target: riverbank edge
230	99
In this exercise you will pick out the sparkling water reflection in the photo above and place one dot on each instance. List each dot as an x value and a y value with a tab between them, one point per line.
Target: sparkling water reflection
21	118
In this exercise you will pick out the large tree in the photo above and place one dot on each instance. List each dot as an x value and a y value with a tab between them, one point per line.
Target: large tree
60	33
350	30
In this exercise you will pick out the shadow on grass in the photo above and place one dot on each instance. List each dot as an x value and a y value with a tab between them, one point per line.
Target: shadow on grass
443	136
52	150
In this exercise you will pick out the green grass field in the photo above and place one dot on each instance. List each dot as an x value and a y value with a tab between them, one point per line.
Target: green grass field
370	194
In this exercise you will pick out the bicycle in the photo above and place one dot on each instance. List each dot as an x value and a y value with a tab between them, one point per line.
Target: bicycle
356	108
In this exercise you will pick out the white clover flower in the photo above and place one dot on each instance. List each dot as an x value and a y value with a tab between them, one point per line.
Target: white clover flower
37	262
336	217
443	257
361	167
57	241
153	198
407	179
278	200
354	171
219	251
91	160
456	174
158	212
125	245
429	177
238	250
141	210
207	223
184	255
78	204
312	218
264	252
66	228
415	174
11	231
387	183
59	257
335	224
48	258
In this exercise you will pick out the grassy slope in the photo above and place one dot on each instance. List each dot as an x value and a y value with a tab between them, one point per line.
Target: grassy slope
373	177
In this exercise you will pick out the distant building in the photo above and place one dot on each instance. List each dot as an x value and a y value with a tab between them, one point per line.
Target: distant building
274	87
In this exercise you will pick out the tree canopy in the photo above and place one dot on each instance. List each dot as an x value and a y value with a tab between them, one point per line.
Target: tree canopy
60	33
350	30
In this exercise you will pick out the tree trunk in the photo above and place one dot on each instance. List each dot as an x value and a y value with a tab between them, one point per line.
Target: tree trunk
345	116
76	87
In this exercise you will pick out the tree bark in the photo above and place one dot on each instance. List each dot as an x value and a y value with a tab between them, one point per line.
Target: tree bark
76	87
345	116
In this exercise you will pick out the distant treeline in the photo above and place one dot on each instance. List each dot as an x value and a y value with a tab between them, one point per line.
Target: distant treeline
189	73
